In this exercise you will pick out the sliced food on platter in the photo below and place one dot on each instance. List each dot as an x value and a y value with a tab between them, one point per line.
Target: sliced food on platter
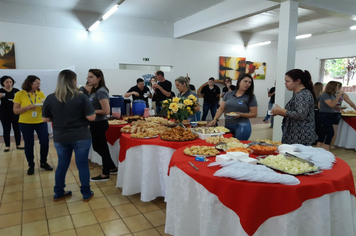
201	151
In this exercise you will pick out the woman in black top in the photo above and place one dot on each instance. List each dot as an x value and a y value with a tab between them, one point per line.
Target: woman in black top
228	86
7	116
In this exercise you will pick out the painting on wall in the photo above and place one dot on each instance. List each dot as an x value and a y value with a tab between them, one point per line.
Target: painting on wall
7	55
256	69
231	67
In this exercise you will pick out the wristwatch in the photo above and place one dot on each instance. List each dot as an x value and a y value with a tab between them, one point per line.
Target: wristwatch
216	119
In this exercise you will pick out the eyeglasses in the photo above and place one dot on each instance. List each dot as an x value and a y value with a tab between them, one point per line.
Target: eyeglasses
36	83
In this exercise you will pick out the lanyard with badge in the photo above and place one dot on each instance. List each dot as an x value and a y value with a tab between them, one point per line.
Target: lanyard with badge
34	113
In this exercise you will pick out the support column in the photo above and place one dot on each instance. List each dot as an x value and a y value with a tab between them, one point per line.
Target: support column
288	24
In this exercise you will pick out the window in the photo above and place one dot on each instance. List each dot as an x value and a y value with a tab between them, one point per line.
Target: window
340	69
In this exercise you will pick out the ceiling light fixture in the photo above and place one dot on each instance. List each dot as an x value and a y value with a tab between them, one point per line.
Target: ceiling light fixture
105	16
303	36
110	12
94	26
353	27
258	44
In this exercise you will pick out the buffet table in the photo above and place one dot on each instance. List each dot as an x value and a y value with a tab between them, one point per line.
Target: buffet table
346	132
144	164
200	204
113	135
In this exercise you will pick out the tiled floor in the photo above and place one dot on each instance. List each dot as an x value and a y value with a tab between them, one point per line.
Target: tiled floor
27	206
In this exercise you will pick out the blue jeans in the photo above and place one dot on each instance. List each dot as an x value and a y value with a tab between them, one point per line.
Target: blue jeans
241	131
269	116
64	151
209	106
28	136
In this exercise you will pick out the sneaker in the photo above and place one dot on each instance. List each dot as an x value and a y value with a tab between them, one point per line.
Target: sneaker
31	171
114	171
57	198
46	167
271	126
99	178
87	197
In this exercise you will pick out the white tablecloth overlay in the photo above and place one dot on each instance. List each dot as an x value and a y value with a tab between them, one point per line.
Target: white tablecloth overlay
192	210
144	171
346	135
114	152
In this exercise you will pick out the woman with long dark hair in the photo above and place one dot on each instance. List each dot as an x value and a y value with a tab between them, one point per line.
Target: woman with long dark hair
100	100
70	111
240	105
7	115
327	103
299	119
28	104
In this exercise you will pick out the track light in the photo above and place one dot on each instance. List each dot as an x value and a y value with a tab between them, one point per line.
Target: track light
303	36
353	27
258	44
110	12
94	26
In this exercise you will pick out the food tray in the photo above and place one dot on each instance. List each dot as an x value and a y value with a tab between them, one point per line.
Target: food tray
288	155
221	144
177	140
205	136
146	137
348	114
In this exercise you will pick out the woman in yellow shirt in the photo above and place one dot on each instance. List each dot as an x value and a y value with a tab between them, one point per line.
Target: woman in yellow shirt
28	104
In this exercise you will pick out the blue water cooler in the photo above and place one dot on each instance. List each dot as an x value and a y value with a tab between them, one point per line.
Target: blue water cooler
117	101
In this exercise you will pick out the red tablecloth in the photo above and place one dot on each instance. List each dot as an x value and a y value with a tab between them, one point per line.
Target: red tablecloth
126	142
351	120
113	133
254	203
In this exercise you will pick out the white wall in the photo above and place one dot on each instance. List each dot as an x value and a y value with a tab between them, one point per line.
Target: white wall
42	47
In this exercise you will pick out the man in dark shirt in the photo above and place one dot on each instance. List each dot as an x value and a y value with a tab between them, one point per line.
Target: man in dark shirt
162	89
211	94
140	91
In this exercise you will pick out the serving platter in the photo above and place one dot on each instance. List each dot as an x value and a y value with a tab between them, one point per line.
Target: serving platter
178	140
147	137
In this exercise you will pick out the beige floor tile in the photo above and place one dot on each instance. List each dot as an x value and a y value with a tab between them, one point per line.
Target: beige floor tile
11	219
148	232
14	181
106	214
91	230
105	183
13	188
97	192
145	207
31	178
76	196
126	210
47	175
70	232
16	168
33	193
56	211
137	223
10	207
156	218
72	187
15	174
48	201
160	202
35	228
33	203
47	183
84	219
77	207
110	190
11	231
97	203
33	215
3	170
117	199
60	224
32	185
161	230
11	197
115	228
134	198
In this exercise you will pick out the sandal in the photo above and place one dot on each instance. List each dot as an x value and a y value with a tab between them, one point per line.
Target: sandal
7	149
57	198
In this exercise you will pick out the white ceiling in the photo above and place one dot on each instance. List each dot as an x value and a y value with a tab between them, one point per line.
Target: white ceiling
315	16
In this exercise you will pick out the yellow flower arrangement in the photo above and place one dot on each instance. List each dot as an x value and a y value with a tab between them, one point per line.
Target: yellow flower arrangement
180	108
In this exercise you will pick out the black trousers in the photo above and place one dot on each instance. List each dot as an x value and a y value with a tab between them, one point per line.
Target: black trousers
326	132
97	130
6	121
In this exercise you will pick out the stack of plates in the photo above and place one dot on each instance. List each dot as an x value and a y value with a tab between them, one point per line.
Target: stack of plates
252	173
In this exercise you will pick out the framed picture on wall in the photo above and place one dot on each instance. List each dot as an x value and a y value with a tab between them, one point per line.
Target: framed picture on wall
231	67
256	69
7	55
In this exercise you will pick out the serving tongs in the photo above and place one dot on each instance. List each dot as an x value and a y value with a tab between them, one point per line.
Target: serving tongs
291	156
